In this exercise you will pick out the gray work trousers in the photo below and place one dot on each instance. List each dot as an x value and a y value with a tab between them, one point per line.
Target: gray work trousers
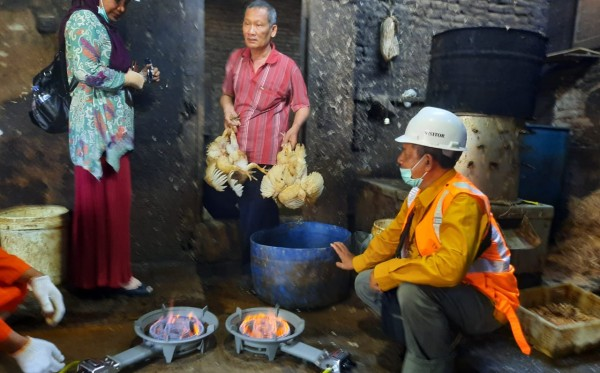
432	319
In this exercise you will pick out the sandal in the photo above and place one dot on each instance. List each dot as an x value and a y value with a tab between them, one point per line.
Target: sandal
141	291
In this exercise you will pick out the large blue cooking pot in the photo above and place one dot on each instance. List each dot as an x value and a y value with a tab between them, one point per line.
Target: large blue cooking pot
293	265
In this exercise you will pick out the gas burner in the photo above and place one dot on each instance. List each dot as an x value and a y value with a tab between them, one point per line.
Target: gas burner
264	346
277	320
174	331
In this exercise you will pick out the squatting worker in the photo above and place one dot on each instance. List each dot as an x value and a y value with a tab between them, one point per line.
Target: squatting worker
261	85
442	267
33	355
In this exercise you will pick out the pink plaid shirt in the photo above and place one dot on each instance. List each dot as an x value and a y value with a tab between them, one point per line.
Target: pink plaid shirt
263	100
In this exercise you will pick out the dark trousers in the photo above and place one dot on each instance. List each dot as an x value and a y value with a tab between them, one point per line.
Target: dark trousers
428	320
255	212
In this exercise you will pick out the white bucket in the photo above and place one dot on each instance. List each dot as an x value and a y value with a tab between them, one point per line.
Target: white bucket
38	235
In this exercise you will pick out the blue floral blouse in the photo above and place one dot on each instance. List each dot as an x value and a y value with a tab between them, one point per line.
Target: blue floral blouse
100	121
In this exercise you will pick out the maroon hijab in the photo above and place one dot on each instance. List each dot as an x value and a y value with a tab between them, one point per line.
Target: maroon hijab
119	56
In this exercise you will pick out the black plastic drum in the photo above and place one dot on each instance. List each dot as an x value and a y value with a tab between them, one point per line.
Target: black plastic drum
486	70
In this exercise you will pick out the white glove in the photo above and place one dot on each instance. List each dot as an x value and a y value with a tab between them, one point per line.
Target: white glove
39	356
49	297
135	80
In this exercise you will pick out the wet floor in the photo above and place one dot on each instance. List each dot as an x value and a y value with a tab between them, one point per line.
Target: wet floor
103	325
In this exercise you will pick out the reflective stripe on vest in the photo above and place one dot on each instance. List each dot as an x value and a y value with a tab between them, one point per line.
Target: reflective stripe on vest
480	264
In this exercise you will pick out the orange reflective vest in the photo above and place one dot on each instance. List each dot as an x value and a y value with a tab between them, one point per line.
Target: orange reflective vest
491	272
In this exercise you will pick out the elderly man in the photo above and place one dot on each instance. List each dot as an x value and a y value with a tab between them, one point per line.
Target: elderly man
442	267
261	86
33	355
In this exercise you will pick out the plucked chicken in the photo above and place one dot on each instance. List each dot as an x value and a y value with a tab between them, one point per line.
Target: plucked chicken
288	182
227	165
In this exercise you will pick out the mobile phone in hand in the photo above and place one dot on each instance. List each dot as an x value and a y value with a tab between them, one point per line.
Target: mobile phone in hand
150	73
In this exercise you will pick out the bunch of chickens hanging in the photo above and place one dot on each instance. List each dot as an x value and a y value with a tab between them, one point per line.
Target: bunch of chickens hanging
288	182
226	164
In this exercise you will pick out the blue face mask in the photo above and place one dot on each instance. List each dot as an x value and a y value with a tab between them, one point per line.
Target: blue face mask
406	174
103	14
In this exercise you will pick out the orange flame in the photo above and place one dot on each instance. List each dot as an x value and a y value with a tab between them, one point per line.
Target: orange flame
264	326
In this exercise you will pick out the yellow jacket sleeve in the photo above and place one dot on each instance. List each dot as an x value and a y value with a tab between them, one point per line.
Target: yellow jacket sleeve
383	246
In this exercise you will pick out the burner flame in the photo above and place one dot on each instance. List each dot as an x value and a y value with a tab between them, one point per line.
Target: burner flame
264	326
176	327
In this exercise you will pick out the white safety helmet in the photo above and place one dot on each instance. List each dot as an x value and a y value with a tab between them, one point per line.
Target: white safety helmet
436	128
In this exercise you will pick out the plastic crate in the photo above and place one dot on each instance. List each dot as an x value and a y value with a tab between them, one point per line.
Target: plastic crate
560	340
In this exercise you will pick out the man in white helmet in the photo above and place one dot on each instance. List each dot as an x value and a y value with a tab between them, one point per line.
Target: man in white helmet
442	267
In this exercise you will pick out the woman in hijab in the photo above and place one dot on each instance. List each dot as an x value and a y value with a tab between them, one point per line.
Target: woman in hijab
101	134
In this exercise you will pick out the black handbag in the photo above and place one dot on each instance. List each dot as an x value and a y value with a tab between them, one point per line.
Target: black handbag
51	96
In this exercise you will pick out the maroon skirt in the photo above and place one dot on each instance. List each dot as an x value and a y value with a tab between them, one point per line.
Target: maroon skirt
100	251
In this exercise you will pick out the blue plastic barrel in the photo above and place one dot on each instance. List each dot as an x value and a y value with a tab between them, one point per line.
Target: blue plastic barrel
543	155
293	265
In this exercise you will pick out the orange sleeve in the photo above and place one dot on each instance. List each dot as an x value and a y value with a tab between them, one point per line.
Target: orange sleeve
10	298
11	293
11	268
5	330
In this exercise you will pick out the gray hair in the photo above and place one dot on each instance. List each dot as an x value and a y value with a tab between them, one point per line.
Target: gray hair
268	7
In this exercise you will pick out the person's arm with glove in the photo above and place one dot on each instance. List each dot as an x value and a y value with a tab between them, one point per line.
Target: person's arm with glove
32	354
38	355
48	296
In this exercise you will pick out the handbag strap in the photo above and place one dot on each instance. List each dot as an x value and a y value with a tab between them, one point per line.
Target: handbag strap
63	65
73	84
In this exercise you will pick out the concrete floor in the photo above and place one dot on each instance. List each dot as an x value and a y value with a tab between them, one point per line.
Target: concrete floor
101	325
